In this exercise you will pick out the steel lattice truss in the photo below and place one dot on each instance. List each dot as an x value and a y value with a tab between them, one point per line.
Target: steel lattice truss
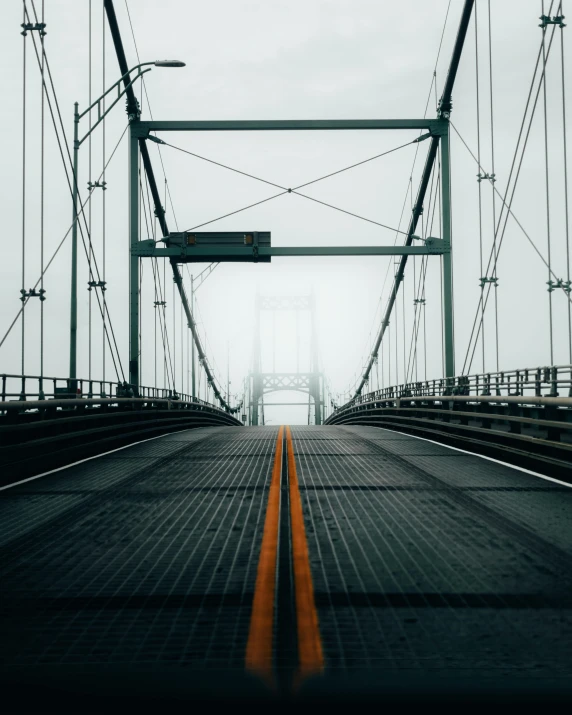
275	381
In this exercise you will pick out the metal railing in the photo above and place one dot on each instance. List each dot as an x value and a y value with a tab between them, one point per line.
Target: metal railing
34	387
35	391
555	381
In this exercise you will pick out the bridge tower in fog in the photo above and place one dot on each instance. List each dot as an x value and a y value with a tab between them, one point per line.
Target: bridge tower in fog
262	383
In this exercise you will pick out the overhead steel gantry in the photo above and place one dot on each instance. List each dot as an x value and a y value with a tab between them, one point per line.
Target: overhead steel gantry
438	132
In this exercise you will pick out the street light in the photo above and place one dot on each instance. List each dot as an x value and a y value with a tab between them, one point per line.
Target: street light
168	63
77	142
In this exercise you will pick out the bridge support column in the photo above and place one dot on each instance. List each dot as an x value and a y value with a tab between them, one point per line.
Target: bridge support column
316	392
133	260
448	327
256	394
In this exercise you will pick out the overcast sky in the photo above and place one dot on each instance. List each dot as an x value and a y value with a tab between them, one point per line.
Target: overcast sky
276	60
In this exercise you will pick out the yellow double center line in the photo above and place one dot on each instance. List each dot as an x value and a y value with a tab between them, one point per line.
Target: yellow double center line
260	646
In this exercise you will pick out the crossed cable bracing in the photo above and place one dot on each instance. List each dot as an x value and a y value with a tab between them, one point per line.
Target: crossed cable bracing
510	190
43	64
285	190
102	306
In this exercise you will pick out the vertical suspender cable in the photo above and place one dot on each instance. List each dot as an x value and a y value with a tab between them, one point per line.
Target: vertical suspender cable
440	202
103	218
23	293
413	288
89	163
174	365
480	191
547	189
404	336
155	343
140	354
566	214
424	331
382	367
164	310
494	213
396	341
42	167
389	356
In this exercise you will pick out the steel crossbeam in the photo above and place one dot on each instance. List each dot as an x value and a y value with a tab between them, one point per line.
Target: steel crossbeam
202	254
437	127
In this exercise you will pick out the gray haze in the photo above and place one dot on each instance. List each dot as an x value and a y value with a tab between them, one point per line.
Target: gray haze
278	60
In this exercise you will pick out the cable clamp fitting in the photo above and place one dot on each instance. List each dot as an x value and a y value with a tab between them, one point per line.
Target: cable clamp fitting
30	26
444	109
490	177
547	20
97	284
133	111
559	283
32	293
91	185
485	279
159	303
420	301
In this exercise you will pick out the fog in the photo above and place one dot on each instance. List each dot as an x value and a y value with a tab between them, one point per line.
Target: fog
301	59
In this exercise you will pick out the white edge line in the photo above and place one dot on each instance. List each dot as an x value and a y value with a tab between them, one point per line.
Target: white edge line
95	456
474	454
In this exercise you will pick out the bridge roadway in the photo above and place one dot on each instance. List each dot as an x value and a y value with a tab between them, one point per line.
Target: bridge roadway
329	561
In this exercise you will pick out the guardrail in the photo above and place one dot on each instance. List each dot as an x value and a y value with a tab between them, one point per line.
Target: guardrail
551	381
27	387
522	426
39	435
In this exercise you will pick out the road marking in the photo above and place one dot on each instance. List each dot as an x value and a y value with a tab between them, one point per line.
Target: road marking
310	654
259	655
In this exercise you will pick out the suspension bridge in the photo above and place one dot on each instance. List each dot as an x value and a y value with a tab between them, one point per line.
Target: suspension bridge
161	539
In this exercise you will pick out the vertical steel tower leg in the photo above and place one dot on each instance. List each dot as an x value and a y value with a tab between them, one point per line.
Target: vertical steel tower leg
448	327
133	262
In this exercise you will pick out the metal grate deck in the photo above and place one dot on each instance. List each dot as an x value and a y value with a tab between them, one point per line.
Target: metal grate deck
425	561
430	561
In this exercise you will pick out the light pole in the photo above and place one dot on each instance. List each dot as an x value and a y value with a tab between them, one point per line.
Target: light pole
77	142
228	372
